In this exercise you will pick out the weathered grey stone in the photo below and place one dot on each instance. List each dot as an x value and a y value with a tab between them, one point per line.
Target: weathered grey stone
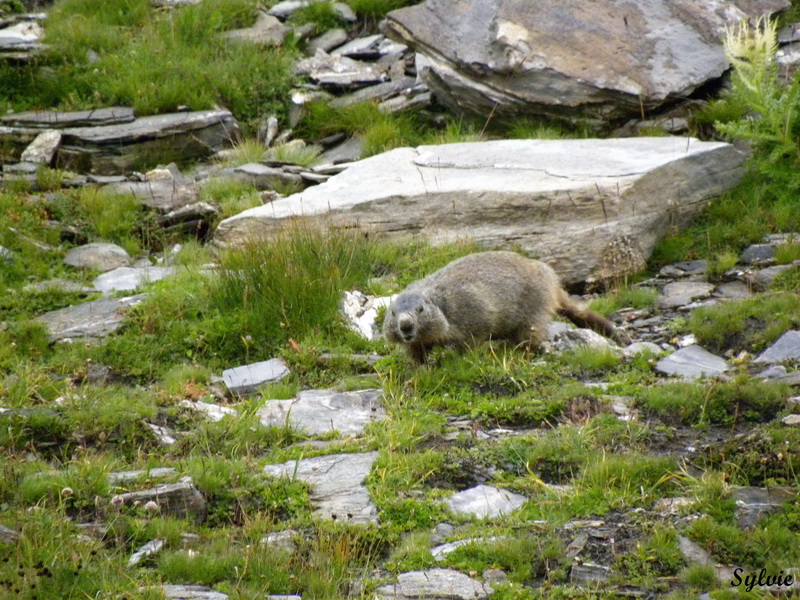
190	592
261	176
680	293
337	484
762	279
345	12
20	41
733	290
692	362
361	313
577	545
327	41
441	551
484	501
603	61
8	535
753	503
147	141
379	92
182	500
42	150
99	256
49	119
155	473
560	200
693	553
339	71
212	412
434	584
200	211
786	348
345	153
571	339
589	574
406	101
322	411
164	435
150	548
773	372
639	348
365	48
248	378
266	31
791	420
161	195
758	254
683	269
90	320
130	278
282	540
287	7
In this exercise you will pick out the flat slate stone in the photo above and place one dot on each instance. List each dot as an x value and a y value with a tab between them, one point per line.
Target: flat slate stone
683	292
90	320
484	501
150	548
786	348
99	256
434	584
161	195
191	592
692	362
180	499
321	411
146	141
130	278
568	201
337	481
42	150
50	119
212	412
758	254
753	503
248	378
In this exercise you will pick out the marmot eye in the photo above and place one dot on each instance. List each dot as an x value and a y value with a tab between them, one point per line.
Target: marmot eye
420	309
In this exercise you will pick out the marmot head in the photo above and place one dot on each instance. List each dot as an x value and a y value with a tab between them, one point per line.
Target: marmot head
412	318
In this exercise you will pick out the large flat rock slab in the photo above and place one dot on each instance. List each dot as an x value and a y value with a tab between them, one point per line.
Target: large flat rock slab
321	411
52	119
90	320
566	201
337	481
600	60
146	141
434	584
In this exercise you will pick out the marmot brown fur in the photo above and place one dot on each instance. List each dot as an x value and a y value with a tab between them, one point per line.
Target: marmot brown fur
487	295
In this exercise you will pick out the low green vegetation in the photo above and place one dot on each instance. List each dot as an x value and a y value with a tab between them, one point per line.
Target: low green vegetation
544	425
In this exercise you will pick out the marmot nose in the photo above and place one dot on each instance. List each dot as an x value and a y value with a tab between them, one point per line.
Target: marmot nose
406	327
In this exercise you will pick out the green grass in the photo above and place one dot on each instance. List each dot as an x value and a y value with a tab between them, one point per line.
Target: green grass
749	324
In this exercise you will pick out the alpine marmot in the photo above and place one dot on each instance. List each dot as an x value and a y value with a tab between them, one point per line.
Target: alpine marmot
487	295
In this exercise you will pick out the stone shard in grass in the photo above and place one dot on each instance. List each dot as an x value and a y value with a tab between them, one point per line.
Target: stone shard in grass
565	201
317	412
337	482
99	256
484	501
146	141
88	321
191	592
125	279
181	500
248	378
692	362
786	348
434	584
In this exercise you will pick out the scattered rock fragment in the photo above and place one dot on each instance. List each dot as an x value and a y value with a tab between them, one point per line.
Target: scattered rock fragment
212	412
692	362
246	379
484	501
181	500
90	320
434	583
337	482
42	150
266	31
127	476
99	256
791	420
149	549
680	293
571	339
191	592
282	540
125	279
753	503
786	348
758	254
588	574
321	411
8	535
361	312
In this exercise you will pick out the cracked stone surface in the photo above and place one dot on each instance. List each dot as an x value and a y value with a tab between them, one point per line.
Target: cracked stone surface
692	362
321	411
248	378
90	320
484	501
563	199
435	584
337	483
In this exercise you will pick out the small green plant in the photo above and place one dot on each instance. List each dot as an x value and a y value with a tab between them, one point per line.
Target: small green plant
322	14
787	253
722	261
632	297
656	556
244	152
303	155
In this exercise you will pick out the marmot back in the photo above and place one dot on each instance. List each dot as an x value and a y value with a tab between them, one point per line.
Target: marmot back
487	295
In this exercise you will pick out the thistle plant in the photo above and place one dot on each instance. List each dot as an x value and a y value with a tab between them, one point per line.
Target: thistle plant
773	123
